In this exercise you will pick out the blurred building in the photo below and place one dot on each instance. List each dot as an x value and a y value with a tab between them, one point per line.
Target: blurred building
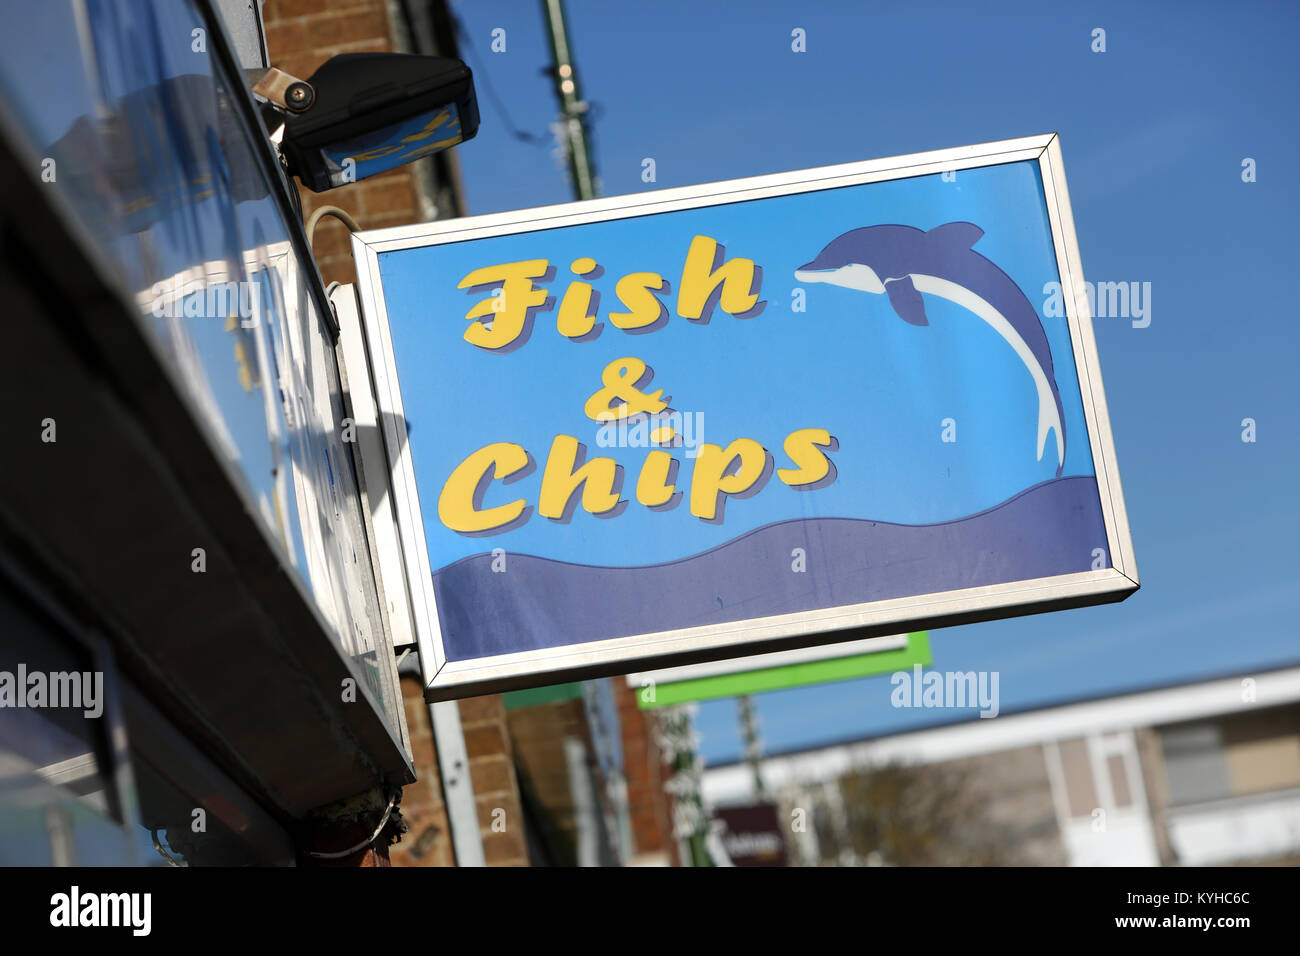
1197	774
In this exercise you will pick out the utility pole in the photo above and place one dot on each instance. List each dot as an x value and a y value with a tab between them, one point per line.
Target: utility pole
753	744
678	745
573	110
582	171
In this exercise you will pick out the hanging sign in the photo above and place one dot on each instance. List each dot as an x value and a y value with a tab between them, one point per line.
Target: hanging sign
748	416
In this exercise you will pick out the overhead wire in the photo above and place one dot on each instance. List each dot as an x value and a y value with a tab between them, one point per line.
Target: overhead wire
483	80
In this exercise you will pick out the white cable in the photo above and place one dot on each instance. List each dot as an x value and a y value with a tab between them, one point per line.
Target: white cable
341	215
364	844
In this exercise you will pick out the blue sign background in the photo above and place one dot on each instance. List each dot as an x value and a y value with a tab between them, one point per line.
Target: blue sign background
847	363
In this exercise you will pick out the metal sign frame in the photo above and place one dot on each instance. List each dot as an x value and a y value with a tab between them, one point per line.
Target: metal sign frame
451	679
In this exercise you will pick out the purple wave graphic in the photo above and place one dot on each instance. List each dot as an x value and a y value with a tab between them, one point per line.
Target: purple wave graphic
1047	530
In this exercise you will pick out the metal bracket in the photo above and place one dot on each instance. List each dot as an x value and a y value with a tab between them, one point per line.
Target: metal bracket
283	90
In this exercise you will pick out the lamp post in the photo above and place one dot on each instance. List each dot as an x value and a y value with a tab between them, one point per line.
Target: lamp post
573	109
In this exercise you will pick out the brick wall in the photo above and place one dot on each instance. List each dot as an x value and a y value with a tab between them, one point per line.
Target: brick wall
496	791
300	36
538	734
643	771
491	767
428	836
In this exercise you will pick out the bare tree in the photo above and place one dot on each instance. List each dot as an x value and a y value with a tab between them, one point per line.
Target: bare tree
913	815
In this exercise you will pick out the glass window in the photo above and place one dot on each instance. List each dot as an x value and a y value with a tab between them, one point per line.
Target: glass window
60	800
1195	766
132	114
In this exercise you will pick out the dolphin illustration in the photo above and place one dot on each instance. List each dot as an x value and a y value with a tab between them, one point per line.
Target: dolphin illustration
903	262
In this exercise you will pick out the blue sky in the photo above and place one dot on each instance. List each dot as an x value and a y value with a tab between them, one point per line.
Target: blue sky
1153	131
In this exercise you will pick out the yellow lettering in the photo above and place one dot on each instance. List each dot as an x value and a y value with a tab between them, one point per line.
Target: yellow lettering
811	463
429	128
458	505
574	319
564	473
654	486
700	279
637	293
508	309
377	153
711	480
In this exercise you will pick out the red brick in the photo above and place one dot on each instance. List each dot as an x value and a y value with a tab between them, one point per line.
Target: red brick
487	807
476	709
491	775
390	194
338	29
484	741
281	9
504	849
285	38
